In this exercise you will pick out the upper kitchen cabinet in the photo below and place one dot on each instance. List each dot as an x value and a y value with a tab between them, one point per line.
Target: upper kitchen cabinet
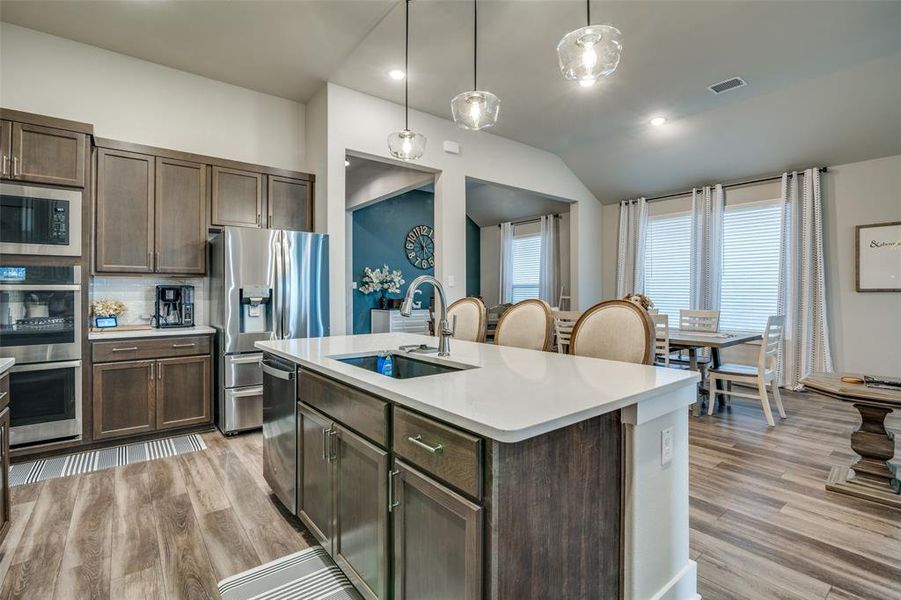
237	198
180	217
124	213
41	154
290	204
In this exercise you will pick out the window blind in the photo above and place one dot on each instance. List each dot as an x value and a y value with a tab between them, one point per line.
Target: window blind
667	266
526	266
750	276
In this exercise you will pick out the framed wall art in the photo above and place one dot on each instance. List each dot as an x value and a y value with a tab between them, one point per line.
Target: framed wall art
878	250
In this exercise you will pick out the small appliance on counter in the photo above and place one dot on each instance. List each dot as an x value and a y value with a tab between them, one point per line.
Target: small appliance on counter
174	306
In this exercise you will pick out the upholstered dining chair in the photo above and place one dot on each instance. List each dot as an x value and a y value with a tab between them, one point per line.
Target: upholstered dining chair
527	324
469	319
615	330
564	321
763	374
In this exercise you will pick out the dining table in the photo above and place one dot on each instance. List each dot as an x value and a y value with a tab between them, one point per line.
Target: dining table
693	341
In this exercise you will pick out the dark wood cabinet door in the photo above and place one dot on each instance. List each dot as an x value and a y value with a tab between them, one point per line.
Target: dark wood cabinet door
180	217
124	398
4	473
361	512
314	488
290	204
6	133
183	391
237	198
48	155
124	216
437	540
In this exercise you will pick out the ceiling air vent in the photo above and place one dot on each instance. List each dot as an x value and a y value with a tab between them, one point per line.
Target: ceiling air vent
728	84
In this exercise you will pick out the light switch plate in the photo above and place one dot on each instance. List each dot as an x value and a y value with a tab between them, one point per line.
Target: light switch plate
666	446
451	281
354	285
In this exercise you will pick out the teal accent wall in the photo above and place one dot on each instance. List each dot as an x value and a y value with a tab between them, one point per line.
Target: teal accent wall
378	239
473	258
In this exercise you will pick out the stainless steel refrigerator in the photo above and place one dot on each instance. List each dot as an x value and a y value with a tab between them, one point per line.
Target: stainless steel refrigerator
265	284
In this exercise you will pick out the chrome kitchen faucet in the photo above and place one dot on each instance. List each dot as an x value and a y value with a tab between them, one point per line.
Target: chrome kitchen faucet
444	330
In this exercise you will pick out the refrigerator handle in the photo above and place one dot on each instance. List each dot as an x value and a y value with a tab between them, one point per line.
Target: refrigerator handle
277	284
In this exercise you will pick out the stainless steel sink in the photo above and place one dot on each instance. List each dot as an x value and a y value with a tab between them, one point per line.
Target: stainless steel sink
404	366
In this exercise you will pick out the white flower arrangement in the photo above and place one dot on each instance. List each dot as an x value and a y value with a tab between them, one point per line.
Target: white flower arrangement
381	280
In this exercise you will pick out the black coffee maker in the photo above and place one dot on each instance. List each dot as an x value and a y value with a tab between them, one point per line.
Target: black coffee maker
174	306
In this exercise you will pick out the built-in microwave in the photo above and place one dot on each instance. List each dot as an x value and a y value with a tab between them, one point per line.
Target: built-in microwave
39	220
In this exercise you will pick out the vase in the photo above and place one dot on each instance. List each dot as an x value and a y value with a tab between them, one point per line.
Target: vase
383	302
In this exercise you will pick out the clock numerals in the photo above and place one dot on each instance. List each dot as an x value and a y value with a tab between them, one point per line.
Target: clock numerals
420	247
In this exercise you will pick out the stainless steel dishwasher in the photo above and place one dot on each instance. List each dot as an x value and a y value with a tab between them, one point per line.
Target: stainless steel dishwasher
280	428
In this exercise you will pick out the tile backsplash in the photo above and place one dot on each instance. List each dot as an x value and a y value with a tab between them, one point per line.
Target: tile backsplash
137	293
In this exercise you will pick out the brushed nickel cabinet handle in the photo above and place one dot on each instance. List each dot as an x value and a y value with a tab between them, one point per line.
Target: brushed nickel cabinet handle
151	371
159	372
5	165
324	442
417	439
191	345
157	264
259	218
129	349
15	166
3	395
392	502
333	448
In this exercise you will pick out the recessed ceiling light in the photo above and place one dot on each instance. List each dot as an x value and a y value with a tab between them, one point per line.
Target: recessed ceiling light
587	83
658	121
396	74
346	163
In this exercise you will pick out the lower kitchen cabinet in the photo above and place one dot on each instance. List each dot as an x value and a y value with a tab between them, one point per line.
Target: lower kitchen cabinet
4	473
437	539
124	398
314	493
183	391
361	512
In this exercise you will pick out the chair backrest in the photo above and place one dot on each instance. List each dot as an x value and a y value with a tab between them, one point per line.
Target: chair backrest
469	318
564	321
527	324
699	320
661	339
615	330
768	358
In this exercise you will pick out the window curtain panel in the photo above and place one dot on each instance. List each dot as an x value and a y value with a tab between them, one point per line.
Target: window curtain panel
549	270
707	206
506	266
633	229
802	280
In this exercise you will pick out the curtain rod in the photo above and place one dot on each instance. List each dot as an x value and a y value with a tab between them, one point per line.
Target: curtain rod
535	220
728	185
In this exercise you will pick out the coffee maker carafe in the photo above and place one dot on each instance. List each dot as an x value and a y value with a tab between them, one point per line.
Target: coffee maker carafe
174	306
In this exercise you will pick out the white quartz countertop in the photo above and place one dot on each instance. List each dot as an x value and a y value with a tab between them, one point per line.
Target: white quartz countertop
513	395
114	334
6	364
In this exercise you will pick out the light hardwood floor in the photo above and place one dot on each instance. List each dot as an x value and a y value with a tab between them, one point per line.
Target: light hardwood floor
762	525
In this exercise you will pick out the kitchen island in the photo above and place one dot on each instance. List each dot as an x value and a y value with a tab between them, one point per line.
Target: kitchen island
511	474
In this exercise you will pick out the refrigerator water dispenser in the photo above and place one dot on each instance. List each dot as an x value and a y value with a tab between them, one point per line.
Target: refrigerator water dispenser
256	309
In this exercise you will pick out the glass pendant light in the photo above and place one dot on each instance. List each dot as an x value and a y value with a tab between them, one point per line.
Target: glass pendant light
475	109
406	144
589	53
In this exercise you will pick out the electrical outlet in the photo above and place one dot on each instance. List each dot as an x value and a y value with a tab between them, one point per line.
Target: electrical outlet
354	285
666	446
451	281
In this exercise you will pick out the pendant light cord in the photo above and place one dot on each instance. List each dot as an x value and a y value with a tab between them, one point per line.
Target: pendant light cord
588	12
475	45
407	65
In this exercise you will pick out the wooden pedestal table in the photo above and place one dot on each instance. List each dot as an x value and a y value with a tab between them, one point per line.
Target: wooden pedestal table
872	476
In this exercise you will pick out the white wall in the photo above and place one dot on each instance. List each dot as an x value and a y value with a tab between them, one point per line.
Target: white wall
864	326
360	123
138	101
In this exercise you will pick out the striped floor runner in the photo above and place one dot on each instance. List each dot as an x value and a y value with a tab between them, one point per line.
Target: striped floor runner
306	575
95	460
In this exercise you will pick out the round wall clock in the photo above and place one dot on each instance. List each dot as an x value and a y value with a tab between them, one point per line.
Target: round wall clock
419	246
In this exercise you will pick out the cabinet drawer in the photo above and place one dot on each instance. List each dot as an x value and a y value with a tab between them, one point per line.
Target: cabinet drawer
149	348
4	391
359	411
447	453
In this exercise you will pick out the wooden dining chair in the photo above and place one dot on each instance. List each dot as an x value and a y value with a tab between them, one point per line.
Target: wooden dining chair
614	330
527	324
469	319
564	321
661	339
763	374
699	320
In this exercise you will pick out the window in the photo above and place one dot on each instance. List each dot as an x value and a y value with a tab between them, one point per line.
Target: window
667	267
750	280
526	266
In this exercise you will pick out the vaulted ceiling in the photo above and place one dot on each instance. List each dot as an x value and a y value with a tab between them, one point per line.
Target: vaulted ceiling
824	77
